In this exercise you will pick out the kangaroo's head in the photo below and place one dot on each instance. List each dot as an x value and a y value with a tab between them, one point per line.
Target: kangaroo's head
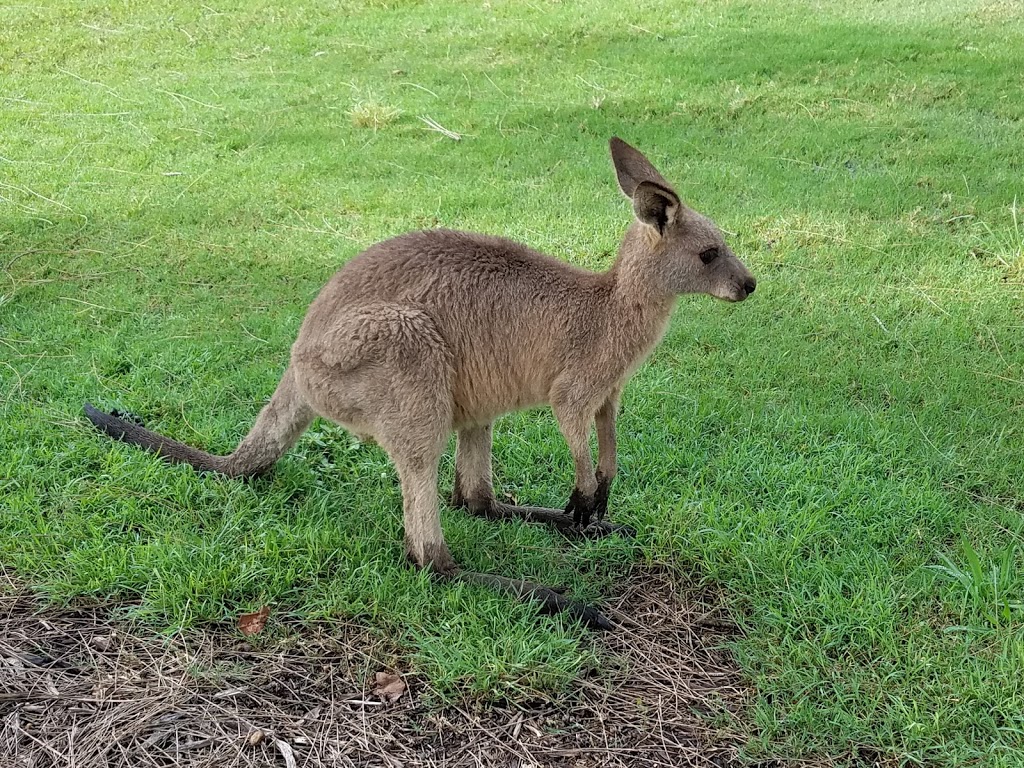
687	248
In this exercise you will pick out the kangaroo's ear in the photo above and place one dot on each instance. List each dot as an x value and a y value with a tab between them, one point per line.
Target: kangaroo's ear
631	167
655	205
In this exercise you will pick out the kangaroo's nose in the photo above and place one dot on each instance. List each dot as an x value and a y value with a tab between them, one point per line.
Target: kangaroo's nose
750	285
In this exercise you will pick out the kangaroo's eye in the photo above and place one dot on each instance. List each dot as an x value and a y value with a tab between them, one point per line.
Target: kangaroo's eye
708	255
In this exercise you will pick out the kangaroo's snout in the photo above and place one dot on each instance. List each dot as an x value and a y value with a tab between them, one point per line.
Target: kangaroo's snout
733	287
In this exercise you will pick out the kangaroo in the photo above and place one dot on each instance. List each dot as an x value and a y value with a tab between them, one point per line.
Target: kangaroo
439	330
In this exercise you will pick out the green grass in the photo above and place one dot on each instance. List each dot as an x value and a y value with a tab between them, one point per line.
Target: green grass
841	454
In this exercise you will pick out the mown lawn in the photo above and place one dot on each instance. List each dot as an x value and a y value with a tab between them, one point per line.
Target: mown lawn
840	454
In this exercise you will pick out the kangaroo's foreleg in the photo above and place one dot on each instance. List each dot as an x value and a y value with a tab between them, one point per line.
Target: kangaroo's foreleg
574	410
607	462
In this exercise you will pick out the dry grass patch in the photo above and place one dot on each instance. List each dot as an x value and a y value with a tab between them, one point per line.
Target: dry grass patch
373	113
79	687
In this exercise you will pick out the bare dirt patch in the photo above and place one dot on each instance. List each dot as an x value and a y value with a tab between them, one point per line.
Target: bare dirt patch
77	689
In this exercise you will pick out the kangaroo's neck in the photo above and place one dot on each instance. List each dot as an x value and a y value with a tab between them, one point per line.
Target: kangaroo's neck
641	304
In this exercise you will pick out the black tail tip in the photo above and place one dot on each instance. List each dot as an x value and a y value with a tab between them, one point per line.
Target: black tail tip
92	414
95	414
104	422
114	423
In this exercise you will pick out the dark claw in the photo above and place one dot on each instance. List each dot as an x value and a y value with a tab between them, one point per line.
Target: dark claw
590	616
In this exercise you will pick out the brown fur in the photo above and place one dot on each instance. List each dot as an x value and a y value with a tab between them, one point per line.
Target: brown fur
437	331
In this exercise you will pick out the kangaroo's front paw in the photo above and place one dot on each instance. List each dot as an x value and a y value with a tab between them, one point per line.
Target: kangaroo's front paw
604	487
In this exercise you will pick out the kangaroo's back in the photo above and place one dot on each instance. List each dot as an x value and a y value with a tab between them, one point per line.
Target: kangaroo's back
511	318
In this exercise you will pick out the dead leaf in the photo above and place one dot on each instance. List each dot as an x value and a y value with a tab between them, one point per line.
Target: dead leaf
388	687
251	623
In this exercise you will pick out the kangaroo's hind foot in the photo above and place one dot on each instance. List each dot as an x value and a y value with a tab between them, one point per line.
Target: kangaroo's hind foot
551	601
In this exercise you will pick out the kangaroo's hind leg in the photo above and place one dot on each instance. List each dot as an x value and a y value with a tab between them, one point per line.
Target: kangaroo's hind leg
416	455
383	371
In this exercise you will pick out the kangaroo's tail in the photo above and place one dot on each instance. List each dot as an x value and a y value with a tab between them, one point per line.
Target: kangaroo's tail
277	428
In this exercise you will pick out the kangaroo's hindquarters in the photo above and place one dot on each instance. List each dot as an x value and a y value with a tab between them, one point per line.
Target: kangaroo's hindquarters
383	370
279	425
